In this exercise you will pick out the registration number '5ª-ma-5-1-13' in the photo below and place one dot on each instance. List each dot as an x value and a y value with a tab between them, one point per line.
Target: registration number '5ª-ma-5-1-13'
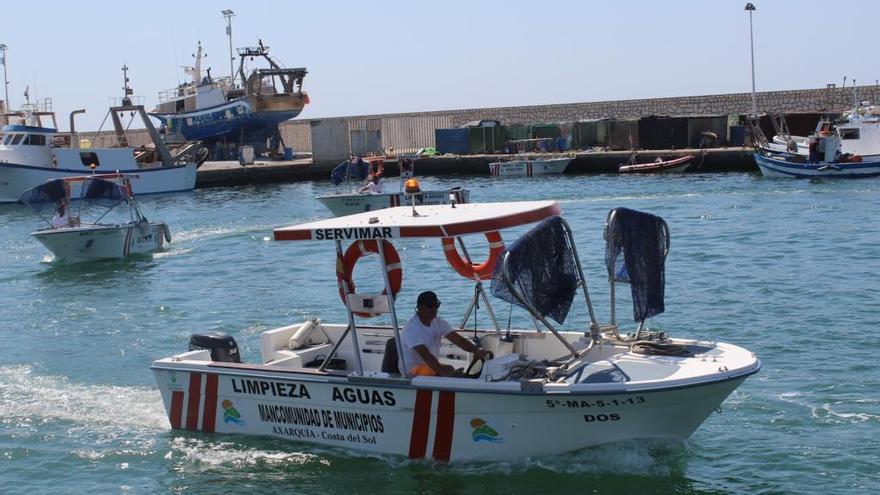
582	403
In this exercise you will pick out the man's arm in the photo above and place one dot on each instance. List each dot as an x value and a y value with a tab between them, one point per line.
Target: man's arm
466	345
432	362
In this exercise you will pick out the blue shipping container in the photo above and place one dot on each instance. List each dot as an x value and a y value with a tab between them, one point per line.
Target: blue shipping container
456	141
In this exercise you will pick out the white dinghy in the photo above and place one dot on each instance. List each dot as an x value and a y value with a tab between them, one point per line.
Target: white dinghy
529	167
543	391
72	239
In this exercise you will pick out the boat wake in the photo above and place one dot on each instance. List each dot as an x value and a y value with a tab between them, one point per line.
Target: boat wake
194	453
196	234
643	458
831	412
29	402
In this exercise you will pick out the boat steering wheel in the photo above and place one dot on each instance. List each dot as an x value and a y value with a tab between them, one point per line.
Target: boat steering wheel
470	373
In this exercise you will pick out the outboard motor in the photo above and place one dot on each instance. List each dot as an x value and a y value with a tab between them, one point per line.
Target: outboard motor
222	346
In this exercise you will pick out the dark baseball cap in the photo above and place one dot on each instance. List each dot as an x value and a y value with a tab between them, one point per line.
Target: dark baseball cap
428	298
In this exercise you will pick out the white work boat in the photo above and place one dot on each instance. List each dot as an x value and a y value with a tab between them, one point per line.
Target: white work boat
31	154
349	203
77	240
529	167
544	391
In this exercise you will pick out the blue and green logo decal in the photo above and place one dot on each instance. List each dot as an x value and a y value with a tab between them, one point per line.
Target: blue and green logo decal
484	433
230	414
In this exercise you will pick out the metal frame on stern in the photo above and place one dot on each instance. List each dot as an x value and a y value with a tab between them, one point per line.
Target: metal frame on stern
437	221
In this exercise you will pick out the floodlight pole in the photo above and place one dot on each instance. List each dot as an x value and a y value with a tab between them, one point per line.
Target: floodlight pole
5	79
751	8
228	15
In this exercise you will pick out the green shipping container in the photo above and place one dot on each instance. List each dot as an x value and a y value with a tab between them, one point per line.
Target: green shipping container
486	139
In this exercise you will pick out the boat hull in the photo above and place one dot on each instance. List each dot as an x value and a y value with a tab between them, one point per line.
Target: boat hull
779	167
102	242
424	422
15	179
349	204
229	119
529	168
678	165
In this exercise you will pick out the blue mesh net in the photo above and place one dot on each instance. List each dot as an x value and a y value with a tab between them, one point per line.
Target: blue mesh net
44	196
635	253
357	170
542	268
102	192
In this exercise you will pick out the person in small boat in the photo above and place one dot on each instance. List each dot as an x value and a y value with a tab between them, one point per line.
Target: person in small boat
61	218
421	339
373	186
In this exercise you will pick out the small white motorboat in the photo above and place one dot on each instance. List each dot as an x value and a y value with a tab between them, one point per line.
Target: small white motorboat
74	240
352	202
542	391
529	167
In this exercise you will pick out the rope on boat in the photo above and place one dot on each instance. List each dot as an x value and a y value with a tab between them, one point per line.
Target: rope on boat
654	348
703	154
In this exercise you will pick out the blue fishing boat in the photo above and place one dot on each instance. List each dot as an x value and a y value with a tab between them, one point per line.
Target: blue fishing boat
780	165
825	160
244	109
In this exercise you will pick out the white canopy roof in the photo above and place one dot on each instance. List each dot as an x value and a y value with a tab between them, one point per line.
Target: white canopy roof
431	221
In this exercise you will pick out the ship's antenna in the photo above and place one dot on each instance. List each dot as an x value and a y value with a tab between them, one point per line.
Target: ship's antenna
126	98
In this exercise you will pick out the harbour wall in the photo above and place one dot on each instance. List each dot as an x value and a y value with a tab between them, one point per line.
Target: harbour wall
330	140
406	132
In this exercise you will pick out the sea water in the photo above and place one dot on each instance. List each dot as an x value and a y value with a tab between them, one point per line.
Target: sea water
789	269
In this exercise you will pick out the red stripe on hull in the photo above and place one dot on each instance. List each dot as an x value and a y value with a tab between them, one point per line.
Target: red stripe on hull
192	405
445	426
176	415
209	415
418	440
127	247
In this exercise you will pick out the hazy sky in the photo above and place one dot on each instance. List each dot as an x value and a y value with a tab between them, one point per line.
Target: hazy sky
385	56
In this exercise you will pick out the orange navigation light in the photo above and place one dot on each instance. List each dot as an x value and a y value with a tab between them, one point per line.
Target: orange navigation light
412	186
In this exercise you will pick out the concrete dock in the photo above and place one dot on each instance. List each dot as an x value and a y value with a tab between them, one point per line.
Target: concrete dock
231	173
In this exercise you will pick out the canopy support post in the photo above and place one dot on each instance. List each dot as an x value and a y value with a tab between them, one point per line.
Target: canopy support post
594	323
531	309
390	295
479	291
351	324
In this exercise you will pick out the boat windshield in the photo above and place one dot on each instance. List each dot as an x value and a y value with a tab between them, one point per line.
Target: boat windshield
96	196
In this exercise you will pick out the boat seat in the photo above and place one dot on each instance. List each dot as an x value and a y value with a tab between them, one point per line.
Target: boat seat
390	359
297	359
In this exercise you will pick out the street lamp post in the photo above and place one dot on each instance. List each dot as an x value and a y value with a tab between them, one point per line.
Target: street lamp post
5	79
228	15
751	8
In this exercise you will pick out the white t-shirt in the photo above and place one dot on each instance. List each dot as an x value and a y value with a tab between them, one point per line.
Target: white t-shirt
372	188
59	221
415	333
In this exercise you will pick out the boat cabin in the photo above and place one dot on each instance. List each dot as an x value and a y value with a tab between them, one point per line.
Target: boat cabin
26	144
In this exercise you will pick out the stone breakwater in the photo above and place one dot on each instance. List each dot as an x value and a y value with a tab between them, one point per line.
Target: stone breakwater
403	131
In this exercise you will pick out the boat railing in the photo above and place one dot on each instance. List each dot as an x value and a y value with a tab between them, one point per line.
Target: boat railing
513	287
621	243
126	101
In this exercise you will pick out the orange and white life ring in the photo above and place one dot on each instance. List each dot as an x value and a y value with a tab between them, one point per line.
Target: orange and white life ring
471	270
345	268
